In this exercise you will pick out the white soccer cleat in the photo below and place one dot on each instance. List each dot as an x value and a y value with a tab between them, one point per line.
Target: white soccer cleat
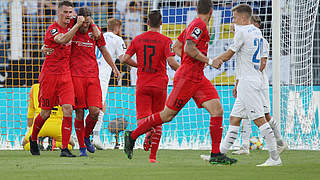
271	162
97	143
282	148
241	151
205	157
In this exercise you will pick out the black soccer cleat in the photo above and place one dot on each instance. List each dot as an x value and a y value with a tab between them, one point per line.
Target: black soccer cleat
34	149
221	159
66	153
128	144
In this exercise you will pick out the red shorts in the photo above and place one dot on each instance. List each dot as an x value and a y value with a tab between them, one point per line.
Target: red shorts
55	89
150	100
184	89
87	92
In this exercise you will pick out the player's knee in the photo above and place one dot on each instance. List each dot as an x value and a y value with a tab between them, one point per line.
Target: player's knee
45	114
67	110
94	113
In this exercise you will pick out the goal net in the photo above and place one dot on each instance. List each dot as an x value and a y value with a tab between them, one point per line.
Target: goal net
23	24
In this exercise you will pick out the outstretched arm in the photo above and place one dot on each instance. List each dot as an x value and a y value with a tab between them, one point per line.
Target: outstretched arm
108	59
95	30
126	59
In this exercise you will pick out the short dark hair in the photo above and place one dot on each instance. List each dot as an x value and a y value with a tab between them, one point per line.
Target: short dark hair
243	8
84	11
204	6
256	19
65	3
154	18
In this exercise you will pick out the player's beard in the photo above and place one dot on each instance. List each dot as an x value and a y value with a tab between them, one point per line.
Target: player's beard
84	30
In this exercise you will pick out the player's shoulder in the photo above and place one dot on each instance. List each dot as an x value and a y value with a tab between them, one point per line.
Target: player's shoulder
165	38
198	23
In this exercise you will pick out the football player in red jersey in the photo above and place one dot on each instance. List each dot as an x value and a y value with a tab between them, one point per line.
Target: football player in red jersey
85	77
56	86
153	50
190	82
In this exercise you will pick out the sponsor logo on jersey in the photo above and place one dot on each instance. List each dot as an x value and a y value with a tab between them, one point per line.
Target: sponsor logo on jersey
196	33
84	44
54	32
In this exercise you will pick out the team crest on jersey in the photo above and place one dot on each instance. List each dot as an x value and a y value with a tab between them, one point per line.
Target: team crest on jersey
54	32
196	33
90	35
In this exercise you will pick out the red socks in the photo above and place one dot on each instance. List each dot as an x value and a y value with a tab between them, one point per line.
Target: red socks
37	125
215	133
79	127
90	123
66	129
155	140
146	124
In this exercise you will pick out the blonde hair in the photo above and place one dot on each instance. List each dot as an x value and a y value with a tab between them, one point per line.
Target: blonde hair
112	23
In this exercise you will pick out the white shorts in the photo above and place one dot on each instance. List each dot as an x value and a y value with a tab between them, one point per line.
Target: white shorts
249	101
104	83
266	100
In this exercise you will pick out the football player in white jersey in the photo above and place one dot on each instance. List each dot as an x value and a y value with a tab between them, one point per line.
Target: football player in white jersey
116	48
246	124
248	44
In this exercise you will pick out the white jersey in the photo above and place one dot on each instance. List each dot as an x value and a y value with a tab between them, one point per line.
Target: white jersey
248	45
265	53
116	47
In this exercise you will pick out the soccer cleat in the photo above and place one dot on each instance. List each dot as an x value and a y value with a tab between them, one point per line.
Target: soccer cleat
147	141
66	153
97	143
128	144
271	162
282	148
205	157
83	151
153	161
34	149
90	147
241	151
222	159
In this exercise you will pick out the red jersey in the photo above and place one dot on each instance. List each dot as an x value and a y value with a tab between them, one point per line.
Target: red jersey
191	68
83	62
58	61
152	49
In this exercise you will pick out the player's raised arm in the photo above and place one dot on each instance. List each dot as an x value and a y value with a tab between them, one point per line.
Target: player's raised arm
108	59
95	30
65	38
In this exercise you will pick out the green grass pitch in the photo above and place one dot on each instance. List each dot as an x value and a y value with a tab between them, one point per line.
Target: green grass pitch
174	164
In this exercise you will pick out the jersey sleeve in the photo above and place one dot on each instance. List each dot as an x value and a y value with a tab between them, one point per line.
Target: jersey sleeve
265	49
31	108
131	49
101	42
169	49
195	32
51	33
237	41
121	47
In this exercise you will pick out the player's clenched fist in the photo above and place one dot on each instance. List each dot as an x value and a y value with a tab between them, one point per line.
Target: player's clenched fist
216	63
80	20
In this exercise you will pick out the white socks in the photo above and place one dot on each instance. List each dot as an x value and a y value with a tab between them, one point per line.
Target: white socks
228	141
270	140
97	128
245	133
276	130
